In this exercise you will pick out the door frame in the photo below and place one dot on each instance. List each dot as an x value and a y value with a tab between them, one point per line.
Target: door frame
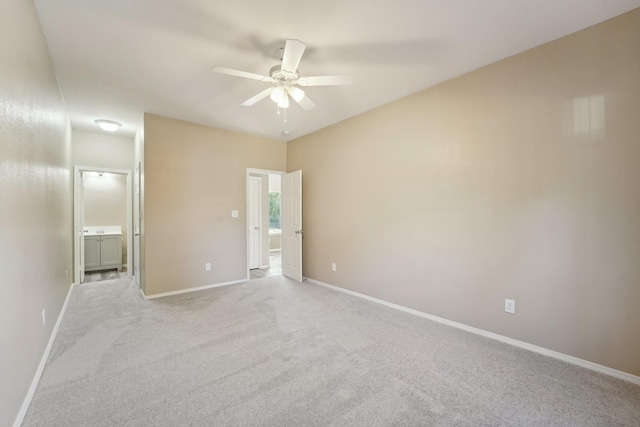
247	201
137	219
78	228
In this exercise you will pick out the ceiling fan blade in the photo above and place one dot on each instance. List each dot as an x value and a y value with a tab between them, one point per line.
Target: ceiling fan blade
325	81
249	102
306	103
293	50
238	73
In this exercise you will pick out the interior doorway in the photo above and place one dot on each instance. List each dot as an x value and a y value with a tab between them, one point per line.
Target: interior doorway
103	255
264	252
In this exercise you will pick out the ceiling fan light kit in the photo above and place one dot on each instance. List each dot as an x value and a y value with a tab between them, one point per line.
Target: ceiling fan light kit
285	79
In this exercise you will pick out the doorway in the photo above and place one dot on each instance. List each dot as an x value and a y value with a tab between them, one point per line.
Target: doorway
103	254
281	224
263	223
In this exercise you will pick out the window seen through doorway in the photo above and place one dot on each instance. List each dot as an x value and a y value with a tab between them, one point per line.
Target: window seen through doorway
274	211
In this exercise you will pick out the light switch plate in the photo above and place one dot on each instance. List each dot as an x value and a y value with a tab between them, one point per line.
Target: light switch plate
234	214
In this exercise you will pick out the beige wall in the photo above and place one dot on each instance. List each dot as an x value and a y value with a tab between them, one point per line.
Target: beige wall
518	180
105	203
35	207
102	150
194	176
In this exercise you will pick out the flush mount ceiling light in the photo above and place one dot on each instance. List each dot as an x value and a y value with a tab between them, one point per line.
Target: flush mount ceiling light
108	125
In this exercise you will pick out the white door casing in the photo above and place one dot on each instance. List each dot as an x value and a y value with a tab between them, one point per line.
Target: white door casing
255	222
291	211
136	227
81	241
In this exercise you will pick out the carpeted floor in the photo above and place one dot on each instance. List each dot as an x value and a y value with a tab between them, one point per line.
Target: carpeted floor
277	353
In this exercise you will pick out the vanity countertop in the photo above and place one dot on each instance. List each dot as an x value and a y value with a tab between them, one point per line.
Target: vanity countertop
102	230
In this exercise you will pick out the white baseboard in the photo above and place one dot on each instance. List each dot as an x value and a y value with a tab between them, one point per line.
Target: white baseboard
43	362
199	288
541	350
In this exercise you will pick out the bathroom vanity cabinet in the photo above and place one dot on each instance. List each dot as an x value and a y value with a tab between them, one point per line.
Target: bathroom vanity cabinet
102	252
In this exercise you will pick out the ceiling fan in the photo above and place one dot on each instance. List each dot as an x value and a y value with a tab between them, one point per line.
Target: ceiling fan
286	79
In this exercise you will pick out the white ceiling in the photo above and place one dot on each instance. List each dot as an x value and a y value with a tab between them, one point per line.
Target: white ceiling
116	59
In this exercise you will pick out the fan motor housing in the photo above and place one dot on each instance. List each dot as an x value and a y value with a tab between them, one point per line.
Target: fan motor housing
280	75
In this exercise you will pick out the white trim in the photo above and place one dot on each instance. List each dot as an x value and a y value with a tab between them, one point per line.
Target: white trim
265	171
43	361
536	349
199	288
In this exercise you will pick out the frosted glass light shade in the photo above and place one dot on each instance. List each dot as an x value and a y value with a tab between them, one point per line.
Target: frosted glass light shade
284	102
277	95
108	125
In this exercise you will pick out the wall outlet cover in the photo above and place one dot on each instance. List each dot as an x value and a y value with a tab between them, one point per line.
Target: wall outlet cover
510	306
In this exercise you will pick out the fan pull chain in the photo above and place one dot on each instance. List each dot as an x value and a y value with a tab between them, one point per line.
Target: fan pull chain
284	115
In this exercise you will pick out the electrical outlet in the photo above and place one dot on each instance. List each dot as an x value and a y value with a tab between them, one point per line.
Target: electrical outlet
44	318
510	306
207	267
66	275
333	266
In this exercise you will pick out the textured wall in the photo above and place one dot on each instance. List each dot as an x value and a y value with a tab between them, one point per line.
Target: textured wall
518	180
35	211
102	150
194	176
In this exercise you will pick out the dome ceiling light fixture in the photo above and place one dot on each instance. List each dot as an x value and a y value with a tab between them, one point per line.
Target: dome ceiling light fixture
108	125
286	79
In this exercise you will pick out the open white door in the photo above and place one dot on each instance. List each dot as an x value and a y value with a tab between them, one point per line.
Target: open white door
255	222
291	211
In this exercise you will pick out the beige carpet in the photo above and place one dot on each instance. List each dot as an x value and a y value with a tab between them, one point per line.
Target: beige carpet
277	353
